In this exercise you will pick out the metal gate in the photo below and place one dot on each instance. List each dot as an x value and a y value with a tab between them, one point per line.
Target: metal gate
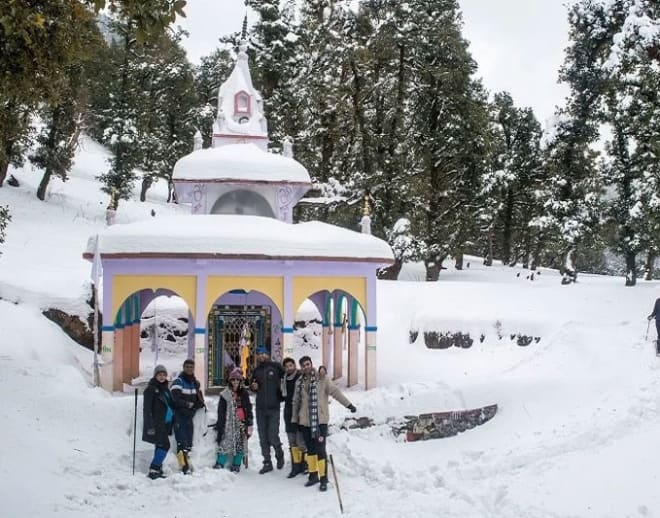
226	327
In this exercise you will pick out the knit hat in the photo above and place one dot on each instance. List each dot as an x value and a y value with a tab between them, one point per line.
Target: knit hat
236	374
159	368
261	350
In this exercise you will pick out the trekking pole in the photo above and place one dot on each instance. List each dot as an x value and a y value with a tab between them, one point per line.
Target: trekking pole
134	429
334	475
648	325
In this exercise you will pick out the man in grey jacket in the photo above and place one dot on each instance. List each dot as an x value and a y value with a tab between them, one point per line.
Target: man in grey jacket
311	413
656	314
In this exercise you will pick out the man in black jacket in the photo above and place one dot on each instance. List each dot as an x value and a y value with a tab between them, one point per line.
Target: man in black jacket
656	314
296	441
266	380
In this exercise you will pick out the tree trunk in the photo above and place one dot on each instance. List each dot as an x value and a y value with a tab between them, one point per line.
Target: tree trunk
43	185
390	273
631	268
508	230
433	266
568	270
459	261
147	181
488	260
4	167
649	267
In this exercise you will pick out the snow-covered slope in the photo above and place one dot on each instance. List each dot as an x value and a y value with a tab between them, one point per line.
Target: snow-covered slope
575	435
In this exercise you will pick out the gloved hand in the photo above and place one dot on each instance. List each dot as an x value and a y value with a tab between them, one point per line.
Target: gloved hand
352	408
649	317
249	431
151	431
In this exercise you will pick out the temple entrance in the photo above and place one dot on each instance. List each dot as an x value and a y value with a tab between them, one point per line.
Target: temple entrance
234	332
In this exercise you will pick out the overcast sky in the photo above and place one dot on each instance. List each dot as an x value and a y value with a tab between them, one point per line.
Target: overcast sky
518	44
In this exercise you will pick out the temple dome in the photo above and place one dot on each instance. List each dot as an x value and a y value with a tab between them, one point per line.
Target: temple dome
239	163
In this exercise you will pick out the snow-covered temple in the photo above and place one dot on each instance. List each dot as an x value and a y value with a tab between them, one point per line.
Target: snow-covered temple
238	261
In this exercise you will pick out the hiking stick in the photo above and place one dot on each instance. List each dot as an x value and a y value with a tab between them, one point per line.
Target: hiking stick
648	325
134	429
334	475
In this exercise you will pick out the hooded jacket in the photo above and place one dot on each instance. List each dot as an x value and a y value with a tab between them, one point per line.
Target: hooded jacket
157	412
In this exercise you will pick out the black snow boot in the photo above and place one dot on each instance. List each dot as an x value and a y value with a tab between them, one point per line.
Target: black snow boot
313	479
279	457
324	484
268	466
156	472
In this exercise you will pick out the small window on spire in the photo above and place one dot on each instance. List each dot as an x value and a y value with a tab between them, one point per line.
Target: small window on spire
242	103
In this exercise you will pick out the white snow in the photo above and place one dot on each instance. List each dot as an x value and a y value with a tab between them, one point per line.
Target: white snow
240	235
575	436
239	162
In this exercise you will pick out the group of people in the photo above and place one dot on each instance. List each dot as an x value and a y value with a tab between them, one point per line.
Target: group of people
305	392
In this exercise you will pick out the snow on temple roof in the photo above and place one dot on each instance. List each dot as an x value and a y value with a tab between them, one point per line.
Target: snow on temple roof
253	237
239	162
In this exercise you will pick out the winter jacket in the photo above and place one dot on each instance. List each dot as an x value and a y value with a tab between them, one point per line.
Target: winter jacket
324	389
186	396
288	393
224	406
157	412
656	310
268	375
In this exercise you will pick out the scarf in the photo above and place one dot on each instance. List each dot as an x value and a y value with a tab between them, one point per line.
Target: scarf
313	406
313	402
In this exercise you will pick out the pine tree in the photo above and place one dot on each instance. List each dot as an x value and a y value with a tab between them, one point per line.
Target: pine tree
572	196
63	116
517	175
631	108
448	117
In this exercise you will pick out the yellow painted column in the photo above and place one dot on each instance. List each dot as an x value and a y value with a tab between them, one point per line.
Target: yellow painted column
338	342
353	342
370	359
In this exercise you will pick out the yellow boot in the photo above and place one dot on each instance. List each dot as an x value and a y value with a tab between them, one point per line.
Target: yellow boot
323	474
183	461
312	464
296	462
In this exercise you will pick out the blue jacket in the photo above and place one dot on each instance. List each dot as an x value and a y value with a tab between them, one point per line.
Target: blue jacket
186	396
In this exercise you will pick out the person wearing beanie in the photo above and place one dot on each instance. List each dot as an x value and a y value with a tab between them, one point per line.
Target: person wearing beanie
266	380
234	423
187	398
157	419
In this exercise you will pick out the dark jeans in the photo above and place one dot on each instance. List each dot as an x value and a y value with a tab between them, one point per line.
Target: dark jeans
268	425
315	446
183	432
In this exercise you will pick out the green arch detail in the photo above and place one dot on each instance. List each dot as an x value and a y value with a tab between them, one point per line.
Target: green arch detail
354	314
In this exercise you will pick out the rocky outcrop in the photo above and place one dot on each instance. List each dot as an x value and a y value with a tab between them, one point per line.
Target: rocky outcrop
78	330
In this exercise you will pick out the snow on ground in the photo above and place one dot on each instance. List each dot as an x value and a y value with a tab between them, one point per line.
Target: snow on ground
575	435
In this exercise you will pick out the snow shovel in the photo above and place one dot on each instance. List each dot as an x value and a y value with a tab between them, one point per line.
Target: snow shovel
334	475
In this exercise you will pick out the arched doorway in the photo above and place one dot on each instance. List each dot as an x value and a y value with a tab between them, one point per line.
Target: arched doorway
239	321
136	349
242	201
